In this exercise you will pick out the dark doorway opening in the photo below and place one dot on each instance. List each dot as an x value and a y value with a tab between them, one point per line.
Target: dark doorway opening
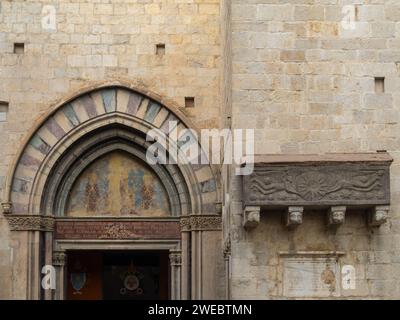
118	275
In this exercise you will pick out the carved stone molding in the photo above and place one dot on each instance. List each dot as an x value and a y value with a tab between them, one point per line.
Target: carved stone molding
336	215
201	222
30	223
59	258
378	215
227	248
175	257
330	183
251	217
294	216
7	207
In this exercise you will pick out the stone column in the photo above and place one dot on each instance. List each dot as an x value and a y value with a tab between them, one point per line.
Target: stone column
185	258
175	259
59	262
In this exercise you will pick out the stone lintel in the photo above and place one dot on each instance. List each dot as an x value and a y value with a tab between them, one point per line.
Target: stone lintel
353	180
376	157
251	217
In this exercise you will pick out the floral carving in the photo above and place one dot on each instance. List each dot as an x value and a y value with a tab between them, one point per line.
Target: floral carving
201	222
30	223
117	231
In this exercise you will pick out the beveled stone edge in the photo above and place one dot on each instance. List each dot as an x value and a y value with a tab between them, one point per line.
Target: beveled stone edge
323	159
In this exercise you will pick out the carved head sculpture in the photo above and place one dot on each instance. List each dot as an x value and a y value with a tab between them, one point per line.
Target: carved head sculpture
381	215
337	217
295	217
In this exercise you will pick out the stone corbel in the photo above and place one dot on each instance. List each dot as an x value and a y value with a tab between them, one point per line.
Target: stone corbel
251	217
336	215
378	215
7	207
294	216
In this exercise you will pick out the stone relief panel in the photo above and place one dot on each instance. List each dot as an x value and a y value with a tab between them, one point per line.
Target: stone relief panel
118	185
307	185
310	277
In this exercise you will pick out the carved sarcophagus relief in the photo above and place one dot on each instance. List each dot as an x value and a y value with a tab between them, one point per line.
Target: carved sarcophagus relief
355	180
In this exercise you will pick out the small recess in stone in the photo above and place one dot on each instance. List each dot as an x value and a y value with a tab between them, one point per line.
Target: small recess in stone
379	85
160	49
189	102
19	48
3	111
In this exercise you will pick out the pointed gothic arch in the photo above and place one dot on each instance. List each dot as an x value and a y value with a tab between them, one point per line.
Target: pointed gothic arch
71	137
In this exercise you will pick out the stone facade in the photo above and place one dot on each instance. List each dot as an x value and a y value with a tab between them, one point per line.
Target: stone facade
306	84
289	69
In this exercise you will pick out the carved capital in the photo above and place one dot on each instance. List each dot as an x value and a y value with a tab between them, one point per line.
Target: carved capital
378	215
336	215
175	257
294	216
218	207
201	222
59	258
185	223
7	207
251	217
30	223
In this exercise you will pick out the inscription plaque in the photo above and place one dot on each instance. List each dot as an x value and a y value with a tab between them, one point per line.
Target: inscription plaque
120	230
310	277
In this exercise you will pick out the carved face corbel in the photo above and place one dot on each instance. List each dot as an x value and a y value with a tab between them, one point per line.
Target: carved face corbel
251	216
336	215
378	215
7	207
294	216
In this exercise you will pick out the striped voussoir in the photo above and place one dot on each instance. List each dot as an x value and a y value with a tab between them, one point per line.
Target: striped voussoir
73	115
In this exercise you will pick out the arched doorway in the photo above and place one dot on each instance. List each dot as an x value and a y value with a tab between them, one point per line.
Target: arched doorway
81	184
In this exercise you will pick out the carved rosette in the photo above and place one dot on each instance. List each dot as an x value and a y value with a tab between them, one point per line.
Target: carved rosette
201	223
30	223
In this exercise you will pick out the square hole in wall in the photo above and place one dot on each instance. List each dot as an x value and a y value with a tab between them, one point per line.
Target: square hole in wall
3	111
160	49
19	48
189	102
380	85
